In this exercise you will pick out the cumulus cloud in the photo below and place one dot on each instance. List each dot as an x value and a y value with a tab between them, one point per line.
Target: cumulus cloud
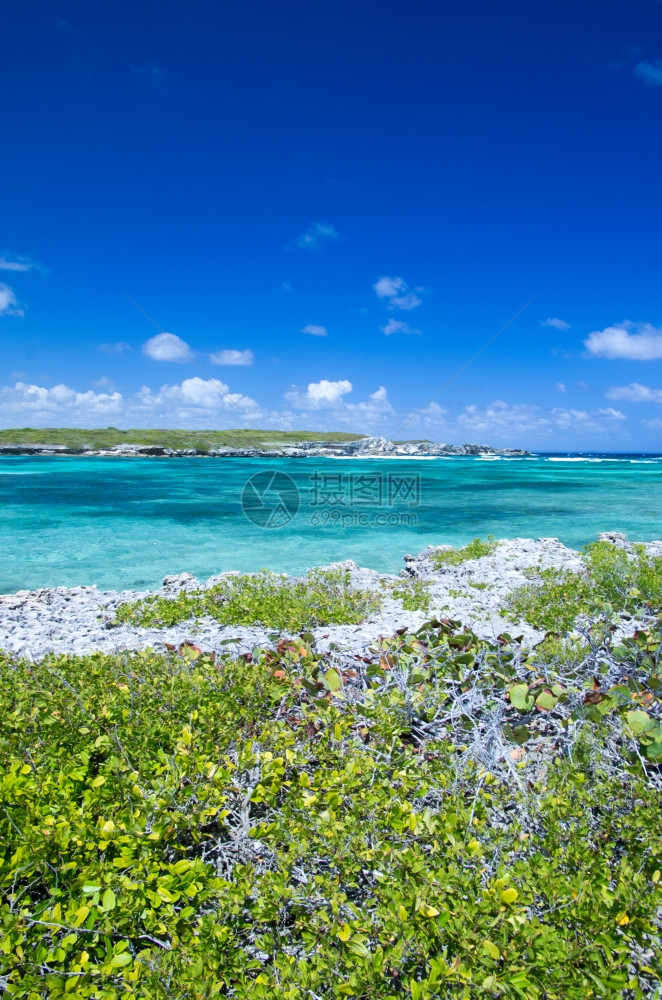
319	394
195	402
327	408
654	425
397	292
231	357
316	235
387	288
635	393
650	72
119	348
194	394
398	326
432	415
314	330
36	404
19	264
502	420
8	303
561	387
558	324
379	394
631	341
167	347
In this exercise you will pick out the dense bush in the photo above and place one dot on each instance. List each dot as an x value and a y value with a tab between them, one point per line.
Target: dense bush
627	581
444	818
323	597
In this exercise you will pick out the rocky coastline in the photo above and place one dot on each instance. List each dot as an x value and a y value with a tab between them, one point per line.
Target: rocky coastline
368	447
79	620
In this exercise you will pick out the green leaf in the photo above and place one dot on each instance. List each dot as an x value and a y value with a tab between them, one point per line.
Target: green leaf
519	697
639	722
546	701
358	948
108	900
491	949
124	958
332	680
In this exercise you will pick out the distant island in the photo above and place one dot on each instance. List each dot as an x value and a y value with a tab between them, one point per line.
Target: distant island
241	443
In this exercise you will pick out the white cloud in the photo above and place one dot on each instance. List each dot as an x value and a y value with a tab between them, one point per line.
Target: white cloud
634	393
316	235
561	387
119	348
327	407
398	326
397	292
558	324
432	415
374	410
167	347
195	402
319	394
612	413
501	420
387	288
406	302
632	341
23	403
653	425
314	330
103	382
20	264
650	73
8	303
379	394
231	357
195	394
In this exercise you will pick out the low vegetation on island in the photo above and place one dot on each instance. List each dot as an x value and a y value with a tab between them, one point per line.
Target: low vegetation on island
443	816
110	437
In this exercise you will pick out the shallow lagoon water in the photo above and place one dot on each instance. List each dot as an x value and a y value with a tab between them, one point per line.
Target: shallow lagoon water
126	522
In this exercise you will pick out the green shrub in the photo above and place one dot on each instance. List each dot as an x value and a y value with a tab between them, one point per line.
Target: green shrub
323	597
285	825
627	582
476	549
552	604
413	594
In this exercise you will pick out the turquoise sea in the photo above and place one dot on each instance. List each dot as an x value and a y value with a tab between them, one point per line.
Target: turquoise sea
126	523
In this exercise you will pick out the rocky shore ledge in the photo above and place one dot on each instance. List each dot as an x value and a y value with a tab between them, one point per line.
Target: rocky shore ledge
369	447
79	620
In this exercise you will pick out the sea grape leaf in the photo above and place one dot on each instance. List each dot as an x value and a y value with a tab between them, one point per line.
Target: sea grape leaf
520	698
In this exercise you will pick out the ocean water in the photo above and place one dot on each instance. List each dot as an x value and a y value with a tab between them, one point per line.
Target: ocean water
126	523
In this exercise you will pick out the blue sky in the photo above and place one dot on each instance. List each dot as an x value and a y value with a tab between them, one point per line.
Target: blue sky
329	207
